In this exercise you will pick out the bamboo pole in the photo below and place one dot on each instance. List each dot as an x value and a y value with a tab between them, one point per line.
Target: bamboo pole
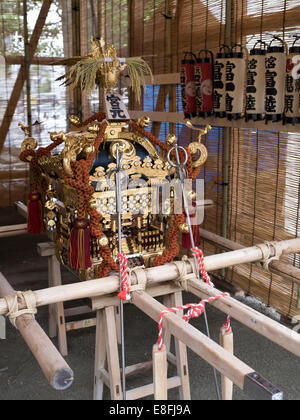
168	272
261	324
258	322
226	363
287	271
54	367
27	67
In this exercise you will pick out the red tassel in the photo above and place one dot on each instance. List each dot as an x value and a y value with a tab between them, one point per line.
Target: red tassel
186	237
80	245
35	222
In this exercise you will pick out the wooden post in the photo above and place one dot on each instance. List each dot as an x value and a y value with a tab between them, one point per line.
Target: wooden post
112	354
199	343
54	367
54	271
181	356
226	341
160	372
100	356
19	84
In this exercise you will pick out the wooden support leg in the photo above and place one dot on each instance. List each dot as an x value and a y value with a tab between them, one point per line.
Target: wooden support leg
181	357
226	341
167	301
118	323
112	354
52	316
160	373
100	356
59	307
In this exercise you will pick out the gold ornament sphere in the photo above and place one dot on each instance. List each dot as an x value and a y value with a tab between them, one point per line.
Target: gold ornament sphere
75	121
144	122
171	140
103	241
192	196
184	228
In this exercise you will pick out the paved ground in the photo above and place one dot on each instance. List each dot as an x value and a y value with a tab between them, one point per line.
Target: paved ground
21	378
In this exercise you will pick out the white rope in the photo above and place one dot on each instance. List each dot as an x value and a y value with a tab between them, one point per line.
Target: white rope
13	305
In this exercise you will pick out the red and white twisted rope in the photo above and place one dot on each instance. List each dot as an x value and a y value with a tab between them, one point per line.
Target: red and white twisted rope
200	257
194	309
125	289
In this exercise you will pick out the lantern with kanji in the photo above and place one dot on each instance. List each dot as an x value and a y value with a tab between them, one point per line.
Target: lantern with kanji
292	85
220	83
275	81
203	72
256	81
235	83
188	90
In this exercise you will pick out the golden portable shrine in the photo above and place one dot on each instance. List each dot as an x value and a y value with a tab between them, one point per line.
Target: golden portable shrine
73	191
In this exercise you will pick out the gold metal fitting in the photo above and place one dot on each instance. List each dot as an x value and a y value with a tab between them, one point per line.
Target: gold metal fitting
144	122
184	228
103	241
192	196
171	140
94	127
75	121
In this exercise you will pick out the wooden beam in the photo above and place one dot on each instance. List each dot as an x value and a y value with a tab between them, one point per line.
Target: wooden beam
263	325
155	275
43	61
13	230
19	84
178	118
54	367
211	352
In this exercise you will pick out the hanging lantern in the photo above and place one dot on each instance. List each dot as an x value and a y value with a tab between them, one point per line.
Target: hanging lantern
292	87
188	90
219	82
275	81
235	83
256	82
204	84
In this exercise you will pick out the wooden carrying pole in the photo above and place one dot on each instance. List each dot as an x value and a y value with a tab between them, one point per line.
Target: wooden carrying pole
277	333
56	370
226	363
168	272
287	271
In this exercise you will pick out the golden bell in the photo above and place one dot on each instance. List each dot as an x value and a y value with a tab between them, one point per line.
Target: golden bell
75	121
103	241
192	196
144	122
184	228
171	140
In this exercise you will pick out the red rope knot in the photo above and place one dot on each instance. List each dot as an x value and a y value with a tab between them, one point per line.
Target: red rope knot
194	312
125	289
200	258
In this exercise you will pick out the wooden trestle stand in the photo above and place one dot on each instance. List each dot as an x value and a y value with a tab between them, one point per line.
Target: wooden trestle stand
163	281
